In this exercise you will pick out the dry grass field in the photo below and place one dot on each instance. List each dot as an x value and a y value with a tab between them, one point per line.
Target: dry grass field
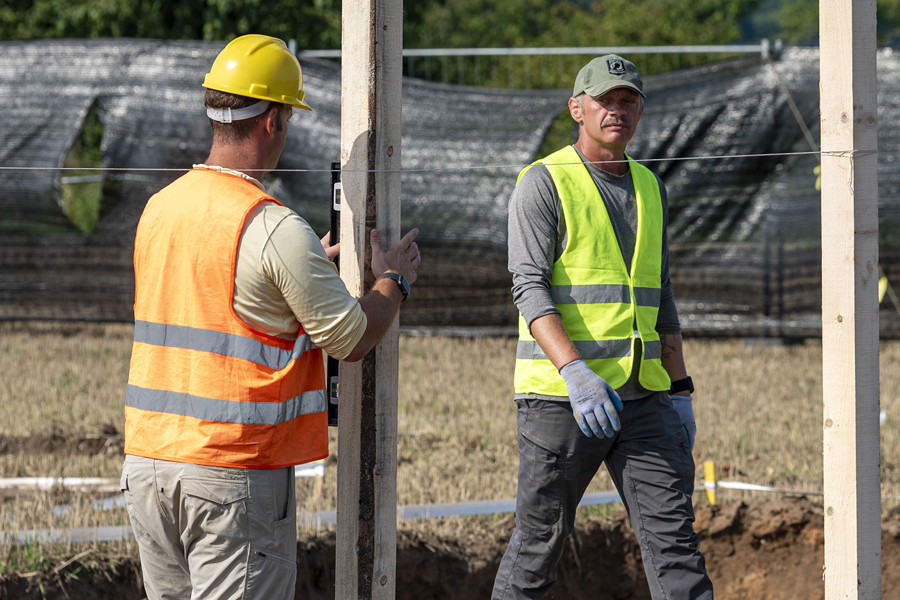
758	408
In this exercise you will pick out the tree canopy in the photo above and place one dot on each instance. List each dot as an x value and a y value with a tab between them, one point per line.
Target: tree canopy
316	24
487	23
313	23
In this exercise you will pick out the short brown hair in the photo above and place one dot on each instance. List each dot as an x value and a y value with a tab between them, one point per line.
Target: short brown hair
236	131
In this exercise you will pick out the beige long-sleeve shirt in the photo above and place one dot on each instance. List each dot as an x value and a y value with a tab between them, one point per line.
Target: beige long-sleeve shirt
283	278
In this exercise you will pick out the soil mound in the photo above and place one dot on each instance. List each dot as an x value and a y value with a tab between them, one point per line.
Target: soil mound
106	440
766	551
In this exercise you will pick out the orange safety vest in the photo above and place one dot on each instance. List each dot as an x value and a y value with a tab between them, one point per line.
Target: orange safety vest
205	387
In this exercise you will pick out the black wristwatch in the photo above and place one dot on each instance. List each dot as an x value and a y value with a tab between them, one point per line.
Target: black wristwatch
682	385
401	283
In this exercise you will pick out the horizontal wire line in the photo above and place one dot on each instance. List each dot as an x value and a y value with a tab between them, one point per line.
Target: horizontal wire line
839	153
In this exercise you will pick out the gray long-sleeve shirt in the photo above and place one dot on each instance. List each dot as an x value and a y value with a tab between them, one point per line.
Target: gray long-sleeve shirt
538	236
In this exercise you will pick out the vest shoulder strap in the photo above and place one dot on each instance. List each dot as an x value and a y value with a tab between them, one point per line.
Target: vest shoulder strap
642	175
563	156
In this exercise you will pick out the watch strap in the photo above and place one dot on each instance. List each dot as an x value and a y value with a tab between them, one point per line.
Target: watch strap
682	385
401	283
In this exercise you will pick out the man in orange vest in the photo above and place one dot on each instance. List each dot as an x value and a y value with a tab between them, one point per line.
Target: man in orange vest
235	301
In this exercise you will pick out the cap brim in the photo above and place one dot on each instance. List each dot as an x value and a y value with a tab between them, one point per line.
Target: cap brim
602	88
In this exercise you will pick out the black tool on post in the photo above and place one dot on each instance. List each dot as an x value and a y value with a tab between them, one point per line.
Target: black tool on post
331	371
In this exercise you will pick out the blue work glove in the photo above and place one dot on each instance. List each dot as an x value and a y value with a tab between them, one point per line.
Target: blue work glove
685	407
594	403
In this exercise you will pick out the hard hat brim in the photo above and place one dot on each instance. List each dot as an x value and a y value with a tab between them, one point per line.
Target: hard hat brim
222	88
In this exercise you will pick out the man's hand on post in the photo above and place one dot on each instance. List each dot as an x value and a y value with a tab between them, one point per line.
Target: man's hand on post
383	300
402	258
595	403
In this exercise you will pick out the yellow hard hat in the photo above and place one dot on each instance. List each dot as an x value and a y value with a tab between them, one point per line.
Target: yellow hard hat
261	67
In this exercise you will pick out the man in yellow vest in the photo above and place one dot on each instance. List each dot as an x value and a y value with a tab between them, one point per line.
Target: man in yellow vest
599	349
235	301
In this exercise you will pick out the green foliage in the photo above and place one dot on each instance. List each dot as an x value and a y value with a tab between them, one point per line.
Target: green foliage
27	558
888	22
316	24
889	14
81	201
555	23
593	511
561	134
545	23
313	23
427	23
799	20
87	145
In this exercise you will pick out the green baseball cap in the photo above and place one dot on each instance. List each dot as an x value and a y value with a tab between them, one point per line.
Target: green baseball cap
606	73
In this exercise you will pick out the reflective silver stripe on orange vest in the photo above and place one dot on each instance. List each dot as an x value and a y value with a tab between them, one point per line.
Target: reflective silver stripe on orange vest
605	293
225	411
217	342
588	349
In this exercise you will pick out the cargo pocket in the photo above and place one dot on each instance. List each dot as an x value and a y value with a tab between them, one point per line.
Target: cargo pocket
134	514
215	513
684	458
541	486
285	537
270	577
273	522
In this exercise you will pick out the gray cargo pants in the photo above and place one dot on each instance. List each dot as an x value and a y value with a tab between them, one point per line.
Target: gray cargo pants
651	465
215	533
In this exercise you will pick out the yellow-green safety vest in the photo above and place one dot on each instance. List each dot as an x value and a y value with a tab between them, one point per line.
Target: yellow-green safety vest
599	300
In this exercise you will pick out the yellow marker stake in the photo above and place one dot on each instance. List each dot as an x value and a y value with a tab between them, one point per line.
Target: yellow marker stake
709	474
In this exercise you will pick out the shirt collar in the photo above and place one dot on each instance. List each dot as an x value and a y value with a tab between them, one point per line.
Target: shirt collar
218	169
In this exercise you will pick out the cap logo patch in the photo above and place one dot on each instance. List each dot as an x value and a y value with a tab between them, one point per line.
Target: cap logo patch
616	66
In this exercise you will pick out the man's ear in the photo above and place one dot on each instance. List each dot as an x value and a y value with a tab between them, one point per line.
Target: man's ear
270	121
575	110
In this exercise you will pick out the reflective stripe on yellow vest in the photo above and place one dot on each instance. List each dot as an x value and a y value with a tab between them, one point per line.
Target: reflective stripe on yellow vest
204	387
599	300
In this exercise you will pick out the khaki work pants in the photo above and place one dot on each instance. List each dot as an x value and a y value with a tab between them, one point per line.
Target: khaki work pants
212	532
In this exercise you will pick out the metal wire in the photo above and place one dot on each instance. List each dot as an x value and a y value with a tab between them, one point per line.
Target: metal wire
838	153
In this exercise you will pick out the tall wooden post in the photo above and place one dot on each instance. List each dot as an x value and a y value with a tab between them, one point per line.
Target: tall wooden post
372	43
850	299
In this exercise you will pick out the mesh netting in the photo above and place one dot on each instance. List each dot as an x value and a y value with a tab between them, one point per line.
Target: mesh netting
744	232
151	108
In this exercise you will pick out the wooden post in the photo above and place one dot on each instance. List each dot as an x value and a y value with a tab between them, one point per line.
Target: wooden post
850	299
371	54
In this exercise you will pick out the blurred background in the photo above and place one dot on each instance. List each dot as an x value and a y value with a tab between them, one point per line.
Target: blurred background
92	84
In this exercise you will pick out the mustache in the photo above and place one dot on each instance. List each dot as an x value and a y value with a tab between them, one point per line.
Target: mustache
616	121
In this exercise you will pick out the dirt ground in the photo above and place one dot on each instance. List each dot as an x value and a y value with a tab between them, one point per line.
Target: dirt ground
767	551
456	443
106	440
